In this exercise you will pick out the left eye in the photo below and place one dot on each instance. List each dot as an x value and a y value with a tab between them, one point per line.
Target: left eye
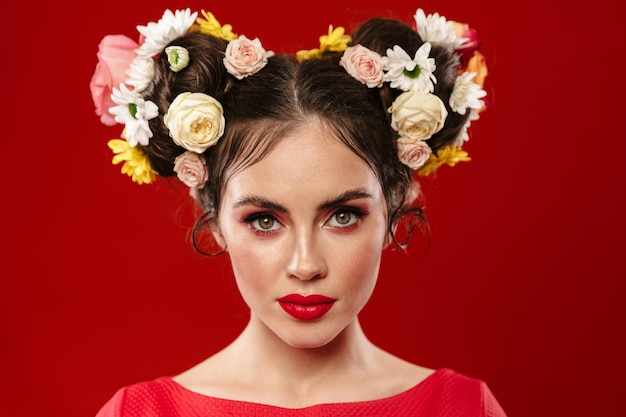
343	218
263	223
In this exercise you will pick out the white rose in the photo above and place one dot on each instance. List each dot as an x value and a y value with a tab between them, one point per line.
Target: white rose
195	121
417	115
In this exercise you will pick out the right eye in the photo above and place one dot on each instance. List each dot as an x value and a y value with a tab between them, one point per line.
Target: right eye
263	222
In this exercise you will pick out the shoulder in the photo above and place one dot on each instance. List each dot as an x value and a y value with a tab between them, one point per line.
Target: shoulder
453	393
150	398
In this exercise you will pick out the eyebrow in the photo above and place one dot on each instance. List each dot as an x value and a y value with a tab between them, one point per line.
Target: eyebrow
265	203
345	197
258	201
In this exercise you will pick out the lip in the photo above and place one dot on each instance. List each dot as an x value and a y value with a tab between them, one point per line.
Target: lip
309	307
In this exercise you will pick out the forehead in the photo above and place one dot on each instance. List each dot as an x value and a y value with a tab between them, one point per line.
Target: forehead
308	160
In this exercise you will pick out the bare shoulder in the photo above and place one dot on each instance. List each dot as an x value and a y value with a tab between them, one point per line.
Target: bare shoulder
208	377
400	375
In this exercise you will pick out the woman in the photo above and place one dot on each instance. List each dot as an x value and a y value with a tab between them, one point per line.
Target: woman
304	168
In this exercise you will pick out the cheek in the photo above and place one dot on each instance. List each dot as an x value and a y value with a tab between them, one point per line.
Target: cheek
254	266
248	274
360	263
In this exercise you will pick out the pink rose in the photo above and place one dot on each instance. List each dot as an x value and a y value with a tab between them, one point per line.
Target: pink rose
413	153
115	54
191	169
364	65
245	57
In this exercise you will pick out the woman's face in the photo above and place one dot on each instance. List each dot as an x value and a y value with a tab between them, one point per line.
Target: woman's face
305	228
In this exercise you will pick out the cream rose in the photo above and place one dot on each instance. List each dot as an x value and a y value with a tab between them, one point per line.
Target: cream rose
245	57
364	65
417	115
195	121
191	169
413	153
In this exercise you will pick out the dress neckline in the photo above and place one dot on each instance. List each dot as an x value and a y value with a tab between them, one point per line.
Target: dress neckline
196	397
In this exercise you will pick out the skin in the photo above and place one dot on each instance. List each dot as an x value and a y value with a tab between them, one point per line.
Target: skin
310	218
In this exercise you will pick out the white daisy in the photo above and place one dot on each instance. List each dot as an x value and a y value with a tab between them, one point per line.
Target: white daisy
169	27
463	135
437	30
410	74
141	73
134	112
466	94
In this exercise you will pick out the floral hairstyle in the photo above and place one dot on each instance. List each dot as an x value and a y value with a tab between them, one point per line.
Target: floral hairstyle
401	99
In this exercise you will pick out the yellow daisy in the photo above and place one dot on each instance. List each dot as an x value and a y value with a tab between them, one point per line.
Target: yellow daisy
136	163
335	41
307	54
210	26
449	155
452	154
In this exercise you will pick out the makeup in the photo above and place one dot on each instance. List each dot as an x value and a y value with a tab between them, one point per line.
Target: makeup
309	307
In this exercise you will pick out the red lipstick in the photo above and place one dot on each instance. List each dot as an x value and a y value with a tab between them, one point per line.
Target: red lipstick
308	307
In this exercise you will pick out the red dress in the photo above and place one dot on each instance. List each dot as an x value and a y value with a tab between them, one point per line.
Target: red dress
443	393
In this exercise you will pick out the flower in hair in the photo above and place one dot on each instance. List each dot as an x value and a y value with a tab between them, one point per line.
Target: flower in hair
417	115
471	42
211	26
141	73
169	27
413	153
177	57
307	54
410	74
134	112
245	57
437	30
364	65
478	65
195	121
191	169
335	41
449	155
466	94
463	135
115	53
136	163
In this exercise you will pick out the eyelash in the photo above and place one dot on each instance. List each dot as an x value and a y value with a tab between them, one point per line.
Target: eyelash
257	217
254	219
352	212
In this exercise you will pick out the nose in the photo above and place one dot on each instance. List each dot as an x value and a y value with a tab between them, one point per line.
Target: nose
307	261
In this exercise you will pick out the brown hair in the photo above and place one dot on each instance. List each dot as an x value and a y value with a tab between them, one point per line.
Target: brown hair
263	108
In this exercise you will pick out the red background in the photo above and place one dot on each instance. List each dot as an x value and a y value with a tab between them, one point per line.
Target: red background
523	285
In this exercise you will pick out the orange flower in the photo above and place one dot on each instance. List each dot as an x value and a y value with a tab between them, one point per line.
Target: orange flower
478	64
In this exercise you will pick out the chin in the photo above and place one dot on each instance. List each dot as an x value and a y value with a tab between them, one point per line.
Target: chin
308	338
312	344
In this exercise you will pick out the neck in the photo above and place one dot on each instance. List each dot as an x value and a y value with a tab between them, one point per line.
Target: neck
348	353
261	367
